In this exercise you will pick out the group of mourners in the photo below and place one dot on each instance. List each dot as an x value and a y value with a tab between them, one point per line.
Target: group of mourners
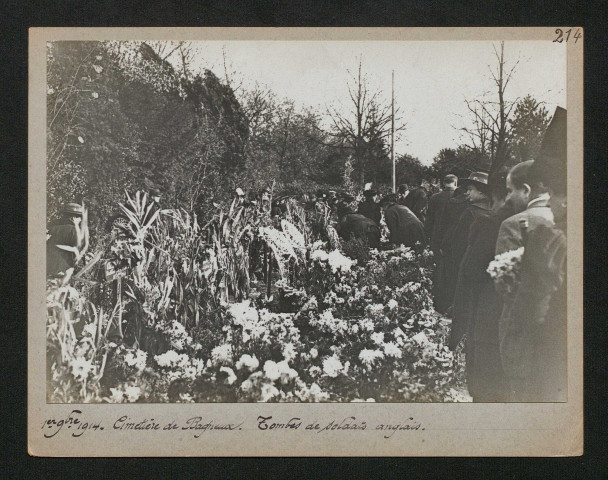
515	340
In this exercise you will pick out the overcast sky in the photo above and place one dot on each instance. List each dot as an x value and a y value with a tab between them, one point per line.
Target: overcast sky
432	78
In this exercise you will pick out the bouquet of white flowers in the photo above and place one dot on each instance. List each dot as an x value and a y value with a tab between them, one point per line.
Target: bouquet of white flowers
504	270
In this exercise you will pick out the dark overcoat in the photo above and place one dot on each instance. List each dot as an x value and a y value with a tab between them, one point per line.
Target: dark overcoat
354	225
460	233
446	273
533	340
434	218
58	260
417	202
371	210
477	310
404	226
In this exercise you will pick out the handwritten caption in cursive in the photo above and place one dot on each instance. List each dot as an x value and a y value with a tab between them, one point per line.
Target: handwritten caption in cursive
76	425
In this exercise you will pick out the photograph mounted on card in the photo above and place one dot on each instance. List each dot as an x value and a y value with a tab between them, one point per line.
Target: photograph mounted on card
365	244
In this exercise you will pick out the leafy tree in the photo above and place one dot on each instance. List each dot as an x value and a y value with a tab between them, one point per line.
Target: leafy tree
528	124
285	145
121	117
460	162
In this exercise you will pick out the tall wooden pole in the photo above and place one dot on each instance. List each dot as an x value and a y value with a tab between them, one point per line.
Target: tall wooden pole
393	132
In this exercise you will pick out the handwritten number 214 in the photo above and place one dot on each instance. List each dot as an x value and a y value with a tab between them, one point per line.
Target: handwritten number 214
561	35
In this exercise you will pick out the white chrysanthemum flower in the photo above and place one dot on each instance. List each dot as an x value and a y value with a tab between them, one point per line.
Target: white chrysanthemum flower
314	353
117	395
332	366
392	304
248	362
271	370
81	367
289	352
172	359
222	354
317	394
286	372
268	391
392	350
366	324
243	313
132	393
339	262
377	338
319	256
421	339
397	332
136	359
368	357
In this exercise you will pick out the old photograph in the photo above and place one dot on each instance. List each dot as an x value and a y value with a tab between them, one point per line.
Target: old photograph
305	221
311	241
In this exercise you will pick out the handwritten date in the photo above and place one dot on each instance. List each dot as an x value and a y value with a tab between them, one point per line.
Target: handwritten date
72	423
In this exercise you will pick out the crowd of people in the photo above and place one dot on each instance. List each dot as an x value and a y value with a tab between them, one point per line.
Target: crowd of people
515	339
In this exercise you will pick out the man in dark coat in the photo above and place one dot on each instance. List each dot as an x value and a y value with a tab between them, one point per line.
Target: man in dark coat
447	270
68	239
369	207
479	204
533	344
478	306
434	215
417	202
404	226
478	192
529	199
354	225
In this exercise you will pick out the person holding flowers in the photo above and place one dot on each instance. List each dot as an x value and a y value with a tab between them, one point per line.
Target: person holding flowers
530	200
533	337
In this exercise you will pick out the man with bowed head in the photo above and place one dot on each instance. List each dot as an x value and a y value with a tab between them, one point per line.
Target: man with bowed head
404	226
